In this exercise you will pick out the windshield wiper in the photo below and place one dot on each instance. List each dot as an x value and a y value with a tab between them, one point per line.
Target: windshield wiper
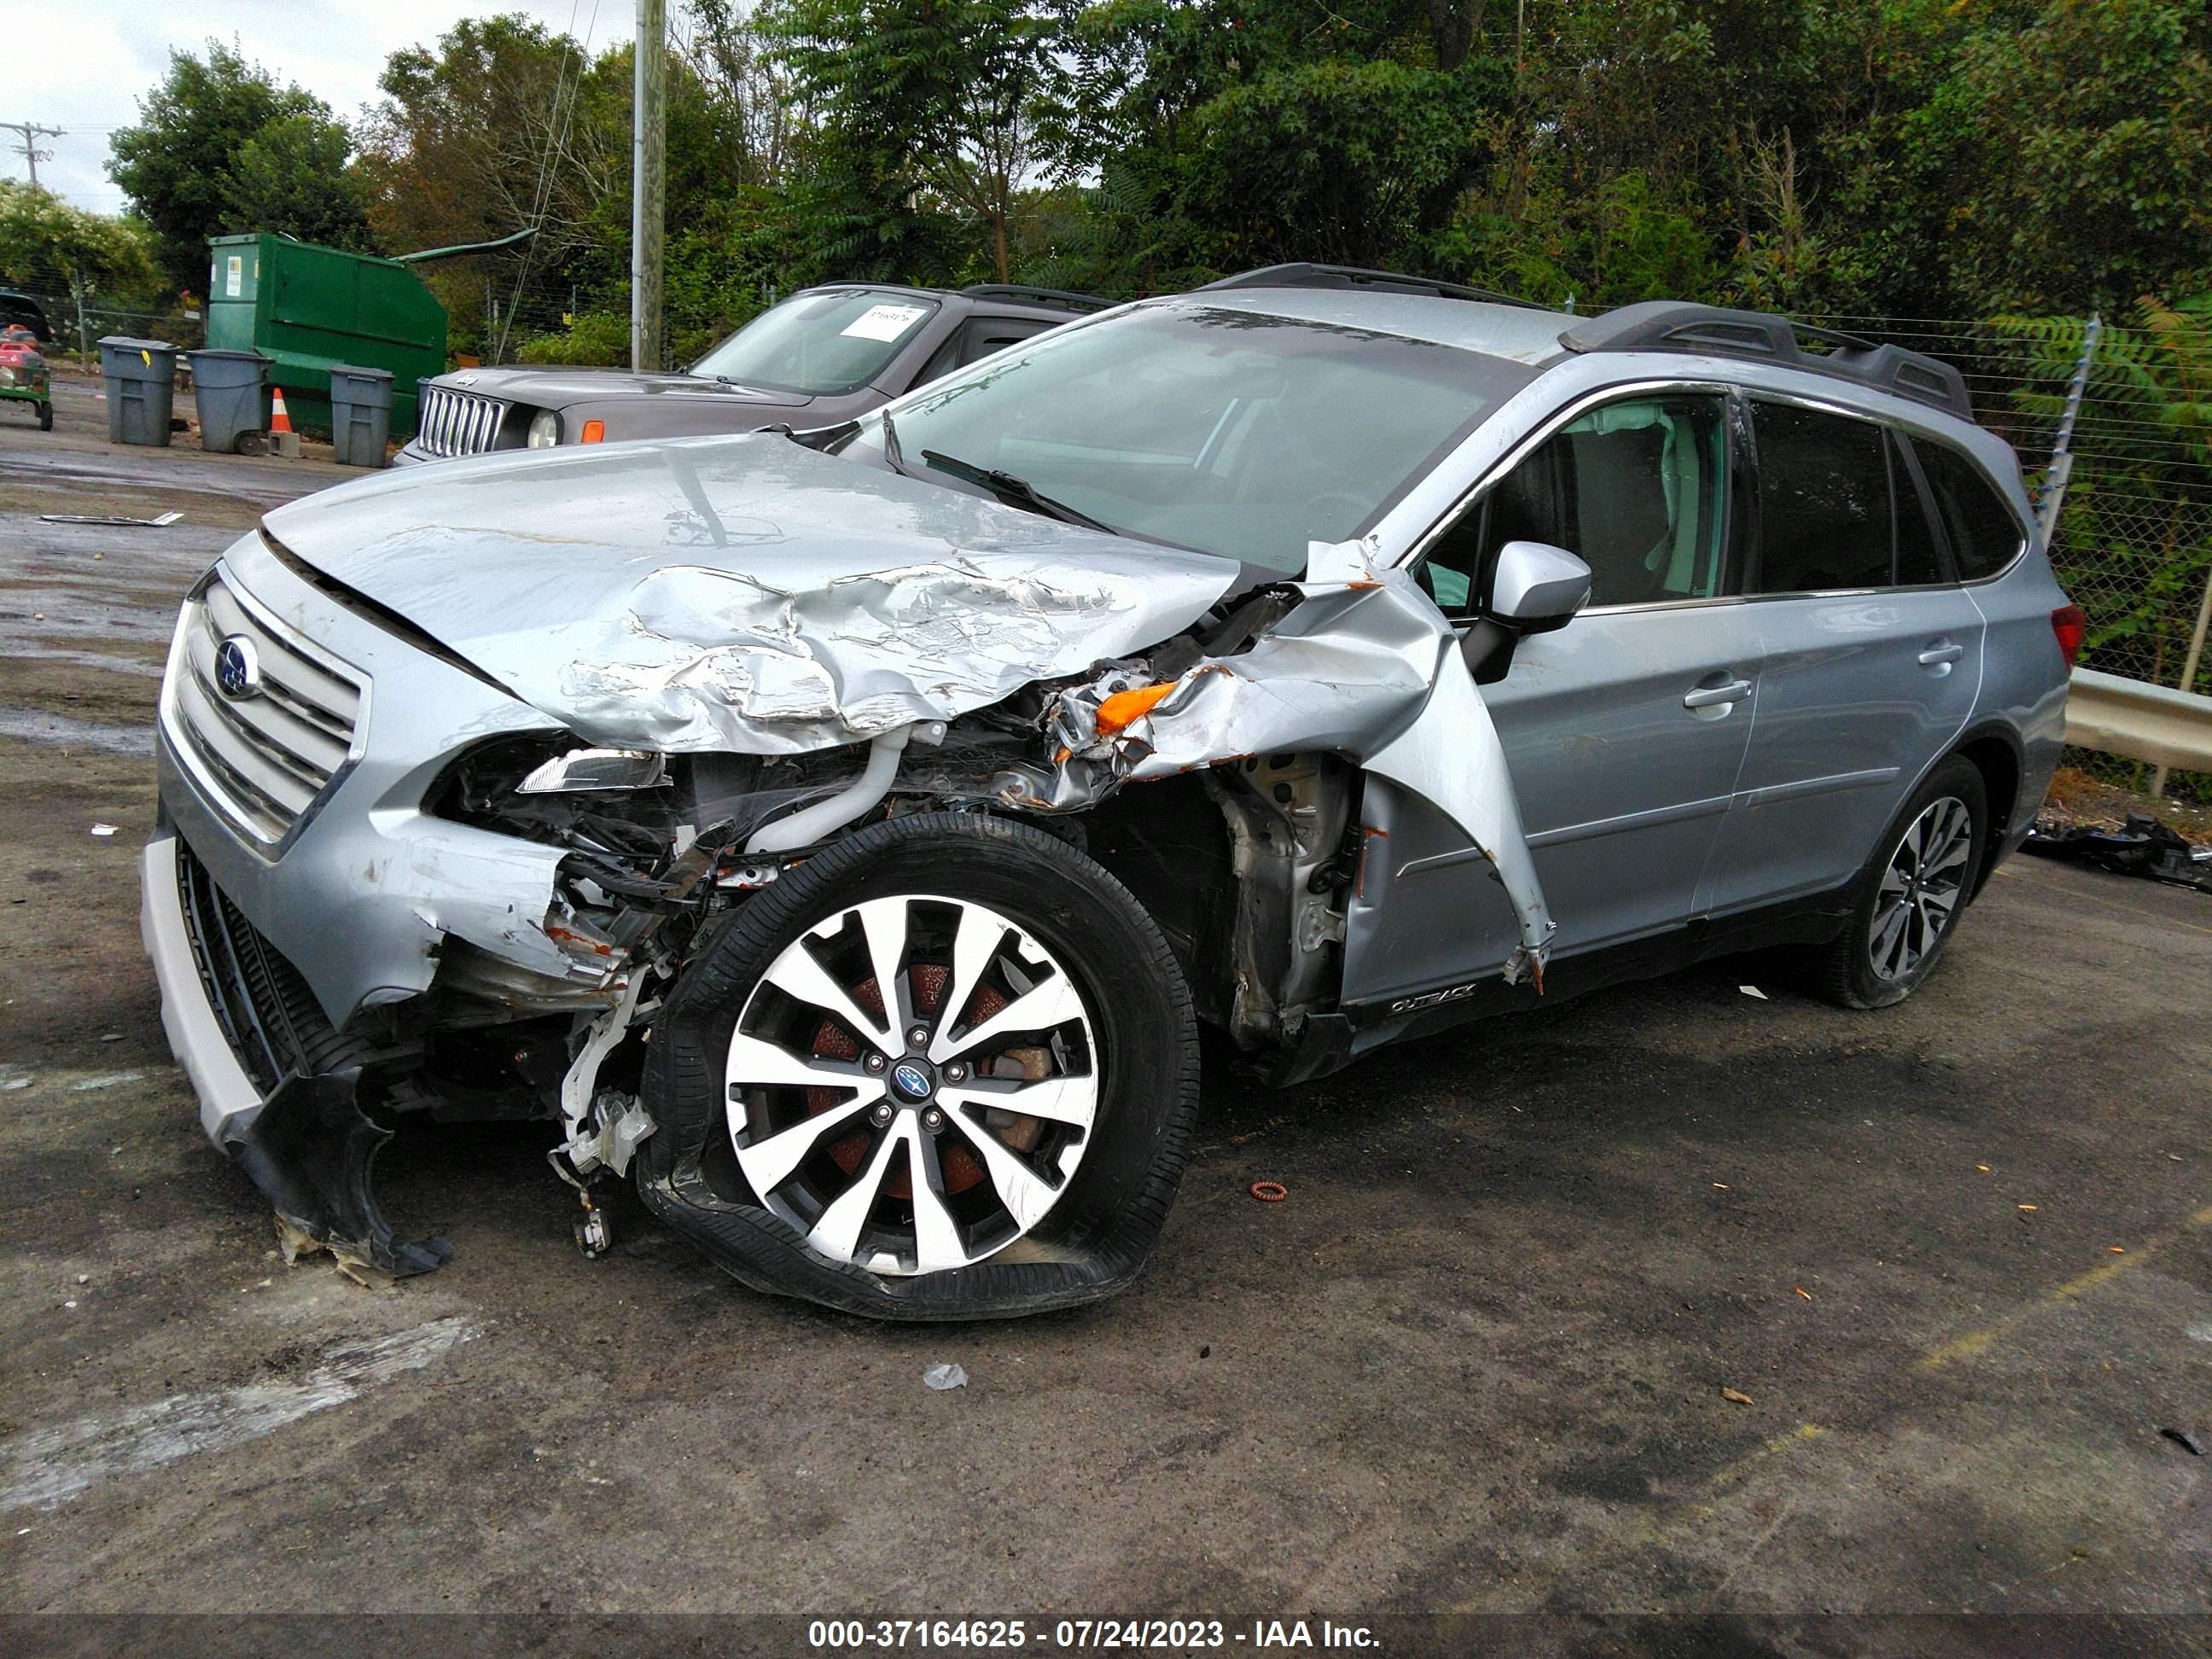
1013	491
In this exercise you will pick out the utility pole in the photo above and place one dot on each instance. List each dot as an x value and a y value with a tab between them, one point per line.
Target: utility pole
649	178
28	150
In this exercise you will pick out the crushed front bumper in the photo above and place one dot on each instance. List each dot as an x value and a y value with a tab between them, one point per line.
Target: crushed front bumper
299	1135
271	940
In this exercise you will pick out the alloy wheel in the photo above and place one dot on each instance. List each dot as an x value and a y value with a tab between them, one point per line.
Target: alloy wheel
1920	889
912	1084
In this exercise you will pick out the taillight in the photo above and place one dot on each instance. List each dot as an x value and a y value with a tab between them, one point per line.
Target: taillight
2069	624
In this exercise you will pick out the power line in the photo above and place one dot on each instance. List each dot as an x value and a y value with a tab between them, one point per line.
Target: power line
28	150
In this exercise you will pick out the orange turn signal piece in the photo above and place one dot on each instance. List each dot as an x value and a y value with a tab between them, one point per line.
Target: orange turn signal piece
595	432
1124	709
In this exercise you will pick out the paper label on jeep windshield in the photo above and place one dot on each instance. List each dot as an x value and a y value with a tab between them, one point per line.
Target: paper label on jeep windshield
882	322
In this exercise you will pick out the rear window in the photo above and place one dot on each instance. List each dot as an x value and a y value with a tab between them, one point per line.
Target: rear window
820	343
1986	538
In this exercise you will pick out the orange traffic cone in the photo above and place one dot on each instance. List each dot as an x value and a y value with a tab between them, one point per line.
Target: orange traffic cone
281	438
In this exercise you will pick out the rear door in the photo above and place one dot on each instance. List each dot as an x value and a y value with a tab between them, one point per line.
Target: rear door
1625	730
1871	655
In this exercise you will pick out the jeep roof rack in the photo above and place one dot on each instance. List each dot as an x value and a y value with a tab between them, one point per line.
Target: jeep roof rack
1716	331
1059	298
1305	275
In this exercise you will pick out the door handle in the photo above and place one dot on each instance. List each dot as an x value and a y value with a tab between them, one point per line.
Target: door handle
1940	651
1711	696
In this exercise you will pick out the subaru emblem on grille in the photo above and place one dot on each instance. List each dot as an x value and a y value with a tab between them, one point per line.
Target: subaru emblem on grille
238	667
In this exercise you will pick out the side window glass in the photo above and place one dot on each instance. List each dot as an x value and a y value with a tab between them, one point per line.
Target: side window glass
1823	507
1638	490
1986	538
986	335
1918	564
942	362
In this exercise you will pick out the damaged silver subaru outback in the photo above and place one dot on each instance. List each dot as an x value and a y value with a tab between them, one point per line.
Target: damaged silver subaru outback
843	834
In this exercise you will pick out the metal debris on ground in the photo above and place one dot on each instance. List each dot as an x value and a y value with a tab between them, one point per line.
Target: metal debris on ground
2141	846
1802	1291
941	1377
2189	1442
116	520
1270	1191
103	830
1735	1396
1754	991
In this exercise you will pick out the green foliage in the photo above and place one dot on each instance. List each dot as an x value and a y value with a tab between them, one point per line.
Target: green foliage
219	147
1874	157
2136	532
48	246
596	339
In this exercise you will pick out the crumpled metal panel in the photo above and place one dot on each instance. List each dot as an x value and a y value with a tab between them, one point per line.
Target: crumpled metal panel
1365	666
743	593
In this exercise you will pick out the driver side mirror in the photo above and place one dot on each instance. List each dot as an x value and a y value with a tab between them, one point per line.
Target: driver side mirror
1534	587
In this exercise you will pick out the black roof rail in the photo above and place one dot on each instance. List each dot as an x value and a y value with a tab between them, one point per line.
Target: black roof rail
1305	275
1716	331
1058	298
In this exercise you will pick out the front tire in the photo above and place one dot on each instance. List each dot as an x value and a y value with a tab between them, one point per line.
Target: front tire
946	1069
1909	899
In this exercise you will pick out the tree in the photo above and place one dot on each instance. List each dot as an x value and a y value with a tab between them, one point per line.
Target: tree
48	245
923	107
193	164
296	175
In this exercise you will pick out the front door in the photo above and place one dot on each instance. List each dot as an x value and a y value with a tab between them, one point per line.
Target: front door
1624	732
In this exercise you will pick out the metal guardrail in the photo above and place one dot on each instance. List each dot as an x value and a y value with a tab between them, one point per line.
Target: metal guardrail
2154	723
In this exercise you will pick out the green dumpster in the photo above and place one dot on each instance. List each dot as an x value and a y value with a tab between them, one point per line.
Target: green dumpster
308	308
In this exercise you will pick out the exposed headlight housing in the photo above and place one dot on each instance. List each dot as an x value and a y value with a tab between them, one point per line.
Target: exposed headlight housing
545	429
7	377
583	770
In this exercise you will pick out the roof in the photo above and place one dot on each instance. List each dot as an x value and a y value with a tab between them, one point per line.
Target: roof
1521	333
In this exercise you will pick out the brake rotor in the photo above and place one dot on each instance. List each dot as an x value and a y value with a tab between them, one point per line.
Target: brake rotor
831	1042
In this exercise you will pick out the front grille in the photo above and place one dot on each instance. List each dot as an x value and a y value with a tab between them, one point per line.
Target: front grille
268	1015
456	422
267	757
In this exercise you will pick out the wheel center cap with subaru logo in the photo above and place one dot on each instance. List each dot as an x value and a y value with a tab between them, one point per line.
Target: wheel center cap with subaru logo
238	667
911	1082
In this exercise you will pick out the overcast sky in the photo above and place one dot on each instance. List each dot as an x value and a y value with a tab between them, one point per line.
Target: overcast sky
83	64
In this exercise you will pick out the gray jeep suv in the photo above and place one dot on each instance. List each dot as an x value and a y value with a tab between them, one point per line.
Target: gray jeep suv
843	836
823	356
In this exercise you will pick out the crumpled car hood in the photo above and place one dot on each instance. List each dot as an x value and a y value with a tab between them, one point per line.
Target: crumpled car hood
742	593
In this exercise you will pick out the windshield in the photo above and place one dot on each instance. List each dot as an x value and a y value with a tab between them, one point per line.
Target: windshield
1223	431
819	344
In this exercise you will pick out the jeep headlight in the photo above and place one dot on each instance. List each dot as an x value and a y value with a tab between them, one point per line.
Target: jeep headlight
545	429
7	376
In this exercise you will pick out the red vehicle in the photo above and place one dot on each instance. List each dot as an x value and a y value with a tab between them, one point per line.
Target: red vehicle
23	376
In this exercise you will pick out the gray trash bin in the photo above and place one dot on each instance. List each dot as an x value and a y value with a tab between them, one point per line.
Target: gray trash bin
141	377
226	387
360	414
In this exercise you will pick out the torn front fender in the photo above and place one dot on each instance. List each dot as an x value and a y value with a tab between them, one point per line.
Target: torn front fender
1366	666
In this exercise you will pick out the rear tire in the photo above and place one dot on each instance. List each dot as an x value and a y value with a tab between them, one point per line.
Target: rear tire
1907	902
45	417
821	1139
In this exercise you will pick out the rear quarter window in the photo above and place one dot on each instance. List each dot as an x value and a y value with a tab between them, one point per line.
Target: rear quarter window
1986	538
